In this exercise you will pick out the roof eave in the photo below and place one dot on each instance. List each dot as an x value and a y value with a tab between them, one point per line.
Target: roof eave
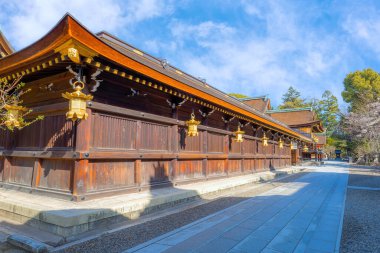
68	28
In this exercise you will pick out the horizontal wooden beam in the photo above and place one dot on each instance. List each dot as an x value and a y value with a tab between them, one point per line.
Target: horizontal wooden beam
43	154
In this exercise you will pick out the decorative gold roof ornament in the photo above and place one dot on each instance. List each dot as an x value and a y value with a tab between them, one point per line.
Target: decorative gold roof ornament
13	118
77	102
192	125
281	143
238	135
265	140
73	54
315	139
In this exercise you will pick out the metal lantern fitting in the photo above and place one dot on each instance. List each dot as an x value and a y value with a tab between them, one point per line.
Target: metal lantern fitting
281	143
192	126
13	116
239	135
265	140
305	148
77	102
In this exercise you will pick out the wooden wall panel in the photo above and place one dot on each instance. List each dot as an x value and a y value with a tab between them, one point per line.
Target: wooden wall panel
155	171
110	174
113	132
3	134
28	137
1	168
154	136
249	146
259	147
215	167
235	147
276	163
259	164
267	164
21	170
57	132
234	166
189	144
248	165
215	142
188	169
56	174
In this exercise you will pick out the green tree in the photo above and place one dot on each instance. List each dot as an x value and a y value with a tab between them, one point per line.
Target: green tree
237	95
292	99
361	88
328	111
10	95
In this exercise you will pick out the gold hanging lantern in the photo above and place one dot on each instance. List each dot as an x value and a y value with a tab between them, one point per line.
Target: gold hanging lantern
238	135
265	140
192	125
281	143
305	148
77	102
14	116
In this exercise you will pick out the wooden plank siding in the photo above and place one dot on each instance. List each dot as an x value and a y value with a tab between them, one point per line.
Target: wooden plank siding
126	144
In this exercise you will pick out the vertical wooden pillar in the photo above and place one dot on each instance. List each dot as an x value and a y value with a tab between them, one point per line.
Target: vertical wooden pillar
36	173
83	142
226	151
7	159
204	149
175	150
138	174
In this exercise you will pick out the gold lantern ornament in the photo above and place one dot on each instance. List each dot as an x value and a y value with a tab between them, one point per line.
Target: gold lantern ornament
14	116
192	126
238	135
77	102
265	140
281	143
305	148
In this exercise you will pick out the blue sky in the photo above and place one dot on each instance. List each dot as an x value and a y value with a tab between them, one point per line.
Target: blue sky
250	47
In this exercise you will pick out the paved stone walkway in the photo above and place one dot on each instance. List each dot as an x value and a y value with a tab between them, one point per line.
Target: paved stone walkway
301	216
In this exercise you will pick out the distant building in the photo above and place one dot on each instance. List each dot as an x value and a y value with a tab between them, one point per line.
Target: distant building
261	104
305	121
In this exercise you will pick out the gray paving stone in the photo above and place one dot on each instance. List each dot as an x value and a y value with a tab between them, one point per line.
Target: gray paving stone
251	244
301	216
237	233
219	245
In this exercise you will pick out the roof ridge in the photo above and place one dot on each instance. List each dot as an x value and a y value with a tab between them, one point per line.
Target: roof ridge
309	108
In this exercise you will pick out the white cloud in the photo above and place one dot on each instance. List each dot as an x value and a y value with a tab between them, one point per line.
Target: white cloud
30	19
365	30
236	59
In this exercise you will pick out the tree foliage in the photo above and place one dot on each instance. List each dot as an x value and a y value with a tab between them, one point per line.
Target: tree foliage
237	95
292	99
360	88
327	110
11	94
362	123
363	127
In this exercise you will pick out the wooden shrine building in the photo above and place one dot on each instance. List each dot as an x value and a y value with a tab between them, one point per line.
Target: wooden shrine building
306	122
135	135
262	104
5	46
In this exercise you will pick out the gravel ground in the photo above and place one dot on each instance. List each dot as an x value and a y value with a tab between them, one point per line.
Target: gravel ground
361	224
130	237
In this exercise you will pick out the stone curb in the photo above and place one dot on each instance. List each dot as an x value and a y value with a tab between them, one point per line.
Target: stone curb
27	243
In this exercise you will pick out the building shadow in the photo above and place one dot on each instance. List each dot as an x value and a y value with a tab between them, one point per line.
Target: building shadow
108	222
